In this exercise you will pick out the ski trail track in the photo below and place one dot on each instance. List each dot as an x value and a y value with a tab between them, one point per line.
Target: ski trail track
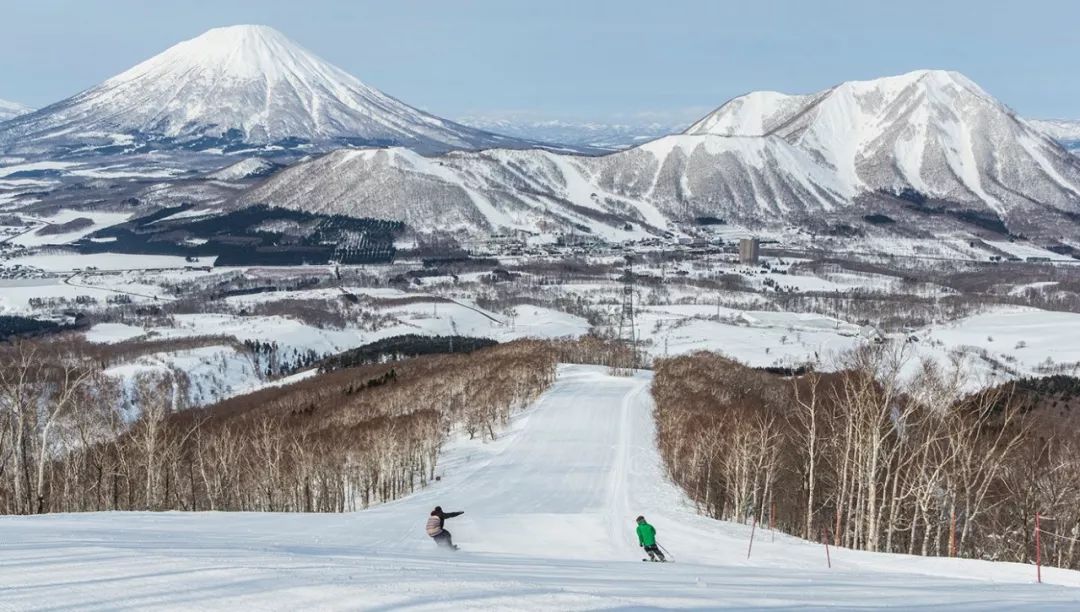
549	525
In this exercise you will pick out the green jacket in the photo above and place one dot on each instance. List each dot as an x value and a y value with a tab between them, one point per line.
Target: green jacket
646	534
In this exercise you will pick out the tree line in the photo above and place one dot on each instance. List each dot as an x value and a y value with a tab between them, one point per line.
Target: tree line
882	455
73	439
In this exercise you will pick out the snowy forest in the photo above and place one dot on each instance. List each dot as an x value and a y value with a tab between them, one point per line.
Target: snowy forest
70	440
869	458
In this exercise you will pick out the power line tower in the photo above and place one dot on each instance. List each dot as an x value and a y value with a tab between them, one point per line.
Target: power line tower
627	329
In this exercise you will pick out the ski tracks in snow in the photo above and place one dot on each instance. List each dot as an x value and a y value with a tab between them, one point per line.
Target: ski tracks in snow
548	526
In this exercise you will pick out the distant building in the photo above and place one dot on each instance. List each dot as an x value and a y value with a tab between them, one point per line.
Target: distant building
749	250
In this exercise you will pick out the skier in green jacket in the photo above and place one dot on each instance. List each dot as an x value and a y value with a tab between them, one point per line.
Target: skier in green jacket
646	535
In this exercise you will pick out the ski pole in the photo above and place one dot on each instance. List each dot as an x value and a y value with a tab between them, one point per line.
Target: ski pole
665	551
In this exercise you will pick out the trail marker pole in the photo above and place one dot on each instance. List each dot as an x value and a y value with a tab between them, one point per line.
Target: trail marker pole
952	533
1038	551
772	523
825	540
753	528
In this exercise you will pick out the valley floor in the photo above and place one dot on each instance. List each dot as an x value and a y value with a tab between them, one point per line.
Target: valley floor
548	525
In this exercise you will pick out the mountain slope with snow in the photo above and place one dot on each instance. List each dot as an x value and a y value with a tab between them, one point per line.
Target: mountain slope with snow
236	86
671	179
1065	131
548	525
10	110
461	192
824	160
932	131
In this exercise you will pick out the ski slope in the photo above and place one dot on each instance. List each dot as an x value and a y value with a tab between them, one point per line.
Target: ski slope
548	526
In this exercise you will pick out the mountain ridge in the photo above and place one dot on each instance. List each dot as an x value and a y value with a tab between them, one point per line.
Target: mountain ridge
933	131
839	154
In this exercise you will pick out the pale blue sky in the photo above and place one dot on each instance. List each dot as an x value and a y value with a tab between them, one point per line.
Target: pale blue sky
575	59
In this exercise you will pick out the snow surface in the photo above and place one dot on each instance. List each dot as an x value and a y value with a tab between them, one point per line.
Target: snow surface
15	294
100	221
756	338
67	262
110	333
1031	342
1025	250
548	526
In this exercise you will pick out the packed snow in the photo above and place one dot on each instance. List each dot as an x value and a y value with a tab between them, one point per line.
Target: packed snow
548	525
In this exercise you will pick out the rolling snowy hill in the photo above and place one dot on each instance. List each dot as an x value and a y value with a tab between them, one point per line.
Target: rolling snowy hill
235	87
9	110
889	145
548	525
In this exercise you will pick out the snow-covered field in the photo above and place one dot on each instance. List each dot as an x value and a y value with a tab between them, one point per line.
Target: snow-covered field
68	262
548	526
1029	341
99	220
15	294
752	320
220	371
758	338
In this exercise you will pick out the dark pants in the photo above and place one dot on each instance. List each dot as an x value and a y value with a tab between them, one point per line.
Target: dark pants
444	539
654	552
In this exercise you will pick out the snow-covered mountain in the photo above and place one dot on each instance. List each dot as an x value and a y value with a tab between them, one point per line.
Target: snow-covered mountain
934	138
250	167
675	178
461	192
1065	131
600	135
236	87
931	131
9	110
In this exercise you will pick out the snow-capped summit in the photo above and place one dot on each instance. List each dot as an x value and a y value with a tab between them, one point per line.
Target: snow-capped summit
763	112
933	131
9	110
240	85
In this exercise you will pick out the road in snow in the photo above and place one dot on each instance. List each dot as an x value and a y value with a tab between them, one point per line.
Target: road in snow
548	525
